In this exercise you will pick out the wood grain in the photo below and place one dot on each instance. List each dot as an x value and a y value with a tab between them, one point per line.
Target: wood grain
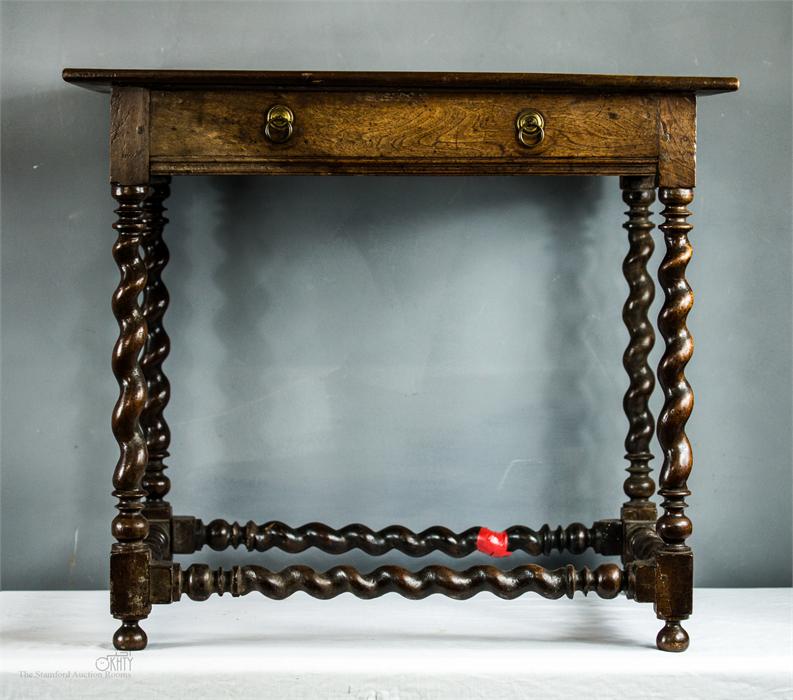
677	141
223	131
129	136
642	128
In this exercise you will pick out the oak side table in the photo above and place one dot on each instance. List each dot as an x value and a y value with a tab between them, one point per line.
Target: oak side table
184	122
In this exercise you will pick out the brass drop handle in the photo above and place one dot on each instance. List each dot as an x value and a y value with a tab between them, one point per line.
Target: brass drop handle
279	123
531	127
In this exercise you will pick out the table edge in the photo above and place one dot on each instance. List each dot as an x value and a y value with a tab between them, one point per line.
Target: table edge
103	80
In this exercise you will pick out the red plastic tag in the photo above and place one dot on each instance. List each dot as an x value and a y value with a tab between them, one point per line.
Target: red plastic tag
492	543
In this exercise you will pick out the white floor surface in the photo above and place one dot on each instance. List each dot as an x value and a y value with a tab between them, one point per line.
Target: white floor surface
57	645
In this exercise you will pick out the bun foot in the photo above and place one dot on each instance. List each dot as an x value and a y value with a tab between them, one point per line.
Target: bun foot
672	637
130	637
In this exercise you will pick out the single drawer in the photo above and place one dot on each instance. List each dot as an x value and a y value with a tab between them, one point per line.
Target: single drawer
381	131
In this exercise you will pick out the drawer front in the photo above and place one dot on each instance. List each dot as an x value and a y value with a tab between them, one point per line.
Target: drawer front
224	131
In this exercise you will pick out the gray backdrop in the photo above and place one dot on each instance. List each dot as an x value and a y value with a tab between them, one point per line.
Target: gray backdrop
421	350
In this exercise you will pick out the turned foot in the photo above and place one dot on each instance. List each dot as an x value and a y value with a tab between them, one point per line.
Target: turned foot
129	637
672	637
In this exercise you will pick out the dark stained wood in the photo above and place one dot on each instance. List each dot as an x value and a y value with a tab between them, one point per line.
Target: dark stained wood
638	193
644	542
224	131
186	533
674	577
103	79
199	582
642	128
677	141
158	389
129	136
220	535
158	346
673	526
423	166
674	586
130	557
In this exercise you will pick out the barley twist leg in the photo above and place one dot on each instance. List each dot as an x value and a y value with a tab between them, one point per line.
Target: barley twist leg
674	584
129	557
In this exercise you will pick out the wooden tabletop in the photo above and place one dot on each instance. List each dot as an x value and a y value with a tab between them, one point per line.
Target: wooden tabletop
103	79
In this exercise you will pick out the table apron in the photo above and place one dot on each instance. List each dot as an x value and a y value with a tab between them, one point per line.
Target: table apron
402	132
